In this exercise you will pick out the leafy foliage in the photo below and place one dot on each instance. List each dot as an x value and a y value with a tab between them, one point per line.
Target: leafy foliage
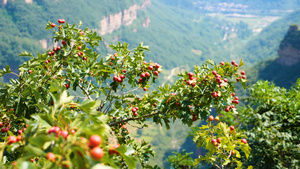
39	111
271	122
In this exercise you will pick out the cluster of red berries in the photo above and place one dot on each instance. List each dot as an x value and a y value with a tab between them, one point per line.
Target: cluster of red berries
146	74
119	79
191	78
134	111
211	118
234	101
234	64
243	76
216	141
61	21
218	78
13	139
57	131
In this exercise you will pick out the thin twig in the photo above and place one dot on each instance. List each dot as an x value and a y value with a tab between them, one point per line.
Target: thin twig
134	118
86	92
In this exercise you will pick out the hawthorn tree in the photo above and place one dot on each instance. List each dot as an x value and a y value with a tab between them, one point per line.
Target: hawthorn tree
68	107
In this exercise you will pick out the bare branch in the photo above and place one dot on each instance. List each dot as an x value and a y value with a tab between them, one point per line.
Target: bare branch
86	92
134	118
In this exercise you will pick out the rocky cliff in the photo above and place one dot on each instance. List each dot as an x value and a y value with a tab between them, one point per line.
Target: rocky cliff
4	2
114	21
289	48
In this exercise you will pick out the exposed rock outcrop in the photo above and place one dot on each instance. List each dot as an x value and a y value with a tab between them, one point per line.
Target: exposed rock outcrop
289	48
113	22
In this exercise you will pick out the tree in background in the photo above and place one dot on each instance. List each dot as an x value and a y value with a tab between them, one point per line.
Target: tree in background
271	120
68	107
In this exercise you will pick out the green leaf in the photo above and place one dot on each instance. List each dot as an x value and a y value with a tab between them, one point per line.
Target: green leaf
27	54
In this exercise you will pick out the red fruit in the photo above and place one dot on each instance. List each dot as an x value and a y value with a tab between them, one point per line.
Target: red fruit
64	133
32	160
147	74
236	98
115	78
154	104
244	77
193	84
52	53
112	149
115	54
188	82
143	75
49	53
61	21
29	71
194	117
95	141
19	138
222	63
63	42
157	65
67	86
238	79
233	62
96	153
4	130
244	141
112	58
58	47
214	141
214	72
73	131
122	76
236	65
135	114
81	32
79	47
20	131
51	157
150	67
232	153
219	140
54	49
227	109
225	80
46	62
11	139
124	71
156	73
242	72
211	118
216	118
191	74
84	58
137	108
232	106
1	124
133	110
231	128
232	94
119	79
52	25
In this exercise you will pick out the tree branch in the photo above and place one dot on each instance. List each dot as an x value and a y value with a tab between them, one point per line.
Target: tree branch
134	118
86	92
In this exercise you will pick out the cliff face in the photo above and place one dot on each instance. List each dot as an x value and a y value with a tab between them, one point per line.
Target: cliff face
289	48
4	2
113	22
